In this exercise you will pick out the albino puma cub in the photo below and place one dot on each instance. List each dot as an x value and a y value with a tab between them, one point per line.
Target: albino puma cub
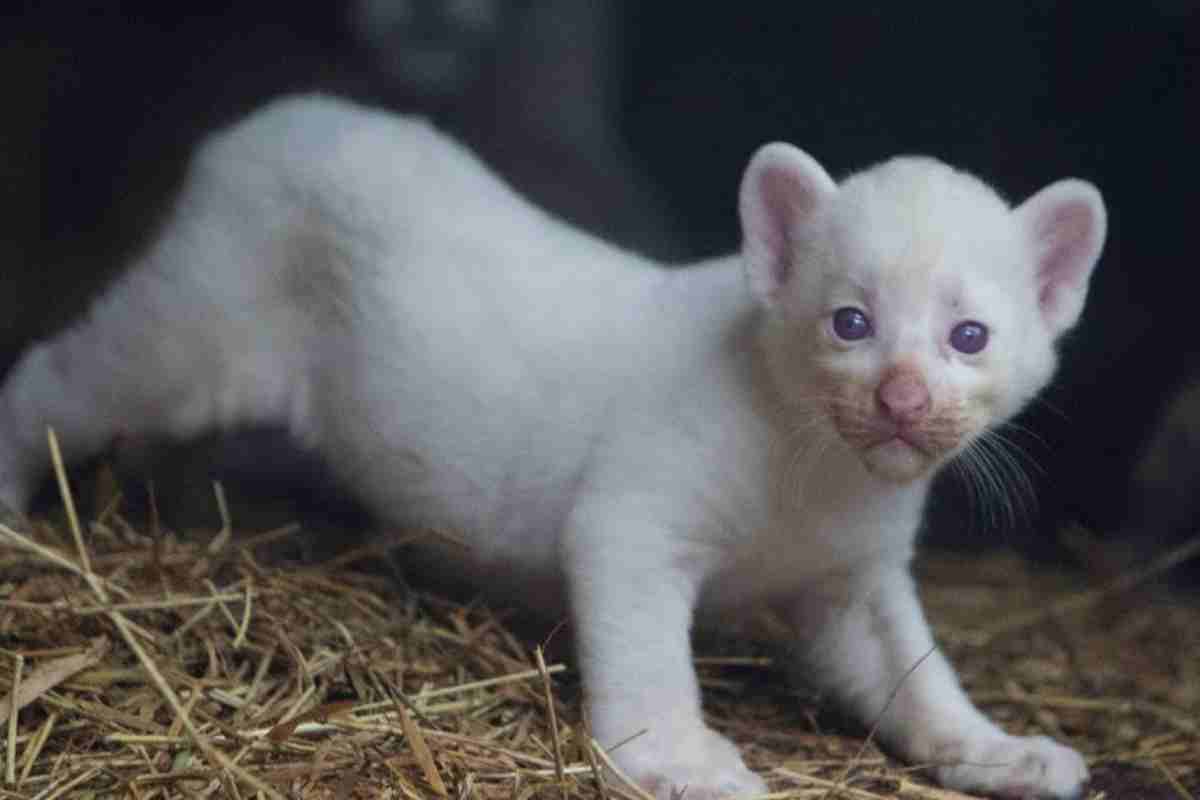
660	443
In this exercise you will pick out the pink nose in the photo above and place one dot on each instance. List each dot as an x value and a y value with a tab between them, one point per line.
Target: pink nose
903	397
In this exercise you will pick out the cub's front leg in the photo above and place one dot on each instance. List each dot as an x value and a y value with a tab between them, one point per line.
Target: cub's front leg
866	637
633	586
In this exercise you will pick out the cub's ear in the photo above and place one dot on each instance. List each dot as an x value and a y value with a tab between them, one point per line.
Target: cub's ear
781	190
1065	225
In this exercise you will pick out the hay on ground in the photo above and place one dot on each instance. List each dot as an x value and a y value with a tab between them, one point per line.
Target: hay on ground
151	665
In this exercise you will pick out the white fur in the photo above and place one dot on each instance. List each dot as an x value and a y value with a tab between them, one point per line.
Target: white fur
665	441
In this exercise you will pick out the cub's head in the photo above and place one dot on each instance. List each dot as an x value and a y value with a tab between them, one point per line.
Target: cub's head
910	308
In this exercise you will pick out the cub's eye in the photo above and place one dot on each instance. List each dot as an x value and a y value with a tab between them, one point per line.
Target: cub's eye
851	324
969	337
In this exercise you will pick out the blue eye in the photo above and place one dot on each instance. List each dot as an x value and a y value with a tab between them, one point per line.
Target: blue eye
851	324
969	337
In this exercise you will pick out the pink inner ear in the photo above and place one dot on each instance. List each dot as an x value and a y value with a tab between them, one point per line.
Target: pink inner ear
780	195
786	199
780	192
1065	233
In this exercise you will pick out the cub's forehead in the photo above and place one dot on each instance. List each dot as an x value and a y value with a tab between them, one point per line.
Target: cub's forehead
917	215
920	182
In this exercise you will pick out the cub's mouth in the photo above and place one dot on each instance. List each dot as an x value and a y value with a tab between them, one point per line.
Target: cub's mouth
899	451
895	453
900	430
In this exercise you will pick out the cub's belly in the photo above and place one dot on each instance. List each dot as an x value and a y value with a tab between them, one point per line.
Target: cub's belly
485	520
513	572
813	559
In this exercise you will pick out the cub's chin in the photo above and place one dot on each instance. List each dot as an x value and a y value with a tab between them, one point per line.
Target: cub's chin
898	461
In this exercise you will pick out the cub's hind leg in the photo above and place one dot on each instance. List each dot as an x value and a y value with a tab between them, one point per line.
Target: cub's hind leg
157	355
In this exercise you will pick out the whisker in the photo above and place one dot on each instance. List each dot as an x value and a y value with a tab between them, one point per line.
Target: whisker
1025	431
799	470
1041	399
1015	451
1017	488
963	468
992	496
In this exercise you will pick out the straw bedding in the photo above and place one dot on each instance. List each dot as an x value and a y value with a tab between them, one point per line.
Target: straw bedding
148	664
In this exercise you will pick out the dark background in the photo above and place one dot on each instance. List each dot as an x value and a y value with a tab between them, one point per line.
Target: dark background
635	120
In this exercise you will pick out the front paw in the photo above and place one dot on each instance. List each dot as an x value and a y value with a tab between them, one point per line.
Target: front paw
697	765
1012	766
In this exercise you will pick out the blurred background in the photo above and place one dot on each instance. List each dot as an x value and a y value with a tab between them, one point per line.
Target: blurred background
635	120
